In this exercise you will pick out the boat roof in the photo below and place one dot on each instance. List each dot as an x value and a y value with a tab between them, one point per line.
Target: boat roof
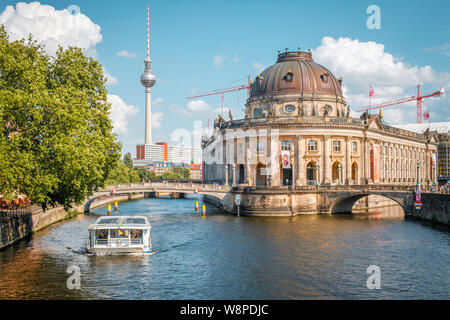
121	221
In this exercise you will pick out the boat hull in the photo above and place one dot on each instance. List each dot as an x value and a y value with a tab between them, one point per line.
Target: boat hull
110	251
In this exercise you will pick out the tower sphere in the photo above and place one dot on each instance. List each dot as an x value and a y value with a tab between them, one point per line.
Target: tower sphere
148	79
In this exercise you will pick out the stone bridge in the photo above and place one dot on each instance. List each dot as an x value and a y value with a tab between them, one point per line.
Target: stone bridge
268	201
218	194
287	201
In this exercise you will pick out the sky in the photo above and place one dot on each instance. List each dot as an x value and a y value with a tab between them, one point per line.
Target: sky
203	45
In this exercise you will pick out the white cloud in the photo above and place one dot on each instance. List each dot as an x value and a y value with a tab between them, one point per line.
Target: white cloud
236	58
258	66
158	101
197	106
127	54
157	120
51	27
365	64
120	112
218	60
445	49
110	80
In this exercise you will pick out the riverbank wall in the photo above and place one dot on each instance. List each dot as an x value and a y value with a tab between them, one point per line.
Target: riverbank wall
14	227
435	208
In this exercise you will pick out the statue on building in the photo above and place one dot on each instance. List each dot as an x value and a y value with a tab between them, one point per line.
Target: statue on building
348	112
300	110
230	115
271	111
325	113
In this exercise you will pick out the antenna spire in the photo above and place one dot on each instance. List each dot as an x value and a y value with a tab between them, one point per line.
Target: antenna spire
148	32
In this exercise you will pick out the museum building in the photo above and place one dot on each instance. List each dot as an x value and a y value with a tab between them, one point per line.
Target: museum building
298	131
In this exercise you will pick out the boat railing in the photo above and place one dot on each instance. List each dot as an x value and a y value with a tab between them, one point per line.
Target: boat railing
119	241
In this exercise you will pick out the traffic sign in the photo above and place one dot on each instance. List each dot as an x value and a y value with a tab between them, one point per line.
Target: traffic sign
237	199
418	205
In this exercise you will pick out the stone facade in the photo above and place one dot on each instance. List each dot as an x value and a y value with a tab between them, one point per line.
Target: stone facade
303	135
298	132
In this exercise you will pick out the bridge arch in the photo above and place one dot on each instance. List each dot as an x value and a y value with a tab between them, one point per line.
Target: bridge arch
345	204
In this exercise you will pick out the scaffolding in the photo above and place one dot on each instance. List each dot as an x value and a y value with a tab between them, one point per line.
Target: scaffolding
443	174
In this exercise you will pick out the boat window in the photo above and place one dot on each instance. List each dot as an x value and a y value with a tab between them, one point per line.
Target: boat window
113	234
101	236
108	221
123	233
136	234
135	221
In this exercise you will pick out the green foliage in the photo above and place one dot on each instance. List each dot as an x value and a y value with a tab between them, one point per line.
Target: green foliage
122	174
183	172
56	140
128	160
177	173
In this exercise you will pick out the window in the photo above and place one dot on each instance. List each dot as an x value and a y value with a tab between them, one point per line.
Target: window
354	147
336	146
240	150
260	146
289	108
312	145
285	145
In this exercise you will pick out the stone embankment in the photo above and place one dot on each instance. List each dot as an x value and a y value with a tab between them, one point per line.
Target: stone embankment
14	227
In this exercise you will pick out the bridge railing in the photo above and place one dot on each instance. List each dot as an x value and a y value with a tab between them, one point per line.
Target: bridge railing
165	185
361	188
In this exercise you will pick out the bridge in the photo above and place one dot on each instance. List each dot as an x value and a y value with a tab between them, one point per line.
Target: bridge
265	200
219	193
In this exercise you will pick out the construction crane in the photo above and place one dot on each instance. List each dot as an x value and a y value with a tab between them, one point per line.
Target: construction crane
419	98
223	91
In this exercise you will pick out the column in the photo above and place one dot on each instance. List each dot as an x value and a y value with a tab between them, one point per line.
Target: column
248	176
301	168
348	152
226	174
326	160
234	174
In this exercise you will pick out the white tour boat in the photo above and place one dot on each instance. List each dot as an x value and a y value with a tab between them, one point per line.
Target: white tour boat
120	234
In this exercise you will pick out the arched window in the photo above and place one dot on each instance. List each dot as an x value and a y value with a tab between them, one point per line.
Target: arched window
336	172
354	171
311	174
261	175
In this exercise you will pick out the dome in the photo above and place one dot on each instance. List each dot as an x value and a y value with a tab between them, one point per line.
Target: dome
295	73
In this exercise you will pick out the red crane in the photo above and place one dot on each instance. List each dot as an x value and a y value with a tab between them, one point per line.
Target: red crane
223	91
419	98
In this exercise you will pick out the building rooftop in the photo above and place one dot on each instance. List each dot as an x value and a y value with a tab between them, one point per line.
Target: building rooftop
440	127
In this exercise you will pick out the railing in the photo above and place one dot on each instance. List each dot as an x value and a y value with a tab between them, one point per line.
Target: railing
165	185
361	188
119	242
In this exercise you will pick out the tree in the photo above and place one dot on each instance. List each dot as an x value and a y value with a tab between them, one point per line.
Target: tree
128	160
122	174
56	140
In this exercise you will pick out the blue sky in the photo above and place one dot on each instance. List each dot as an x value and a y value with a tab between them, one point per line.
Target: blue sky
188	37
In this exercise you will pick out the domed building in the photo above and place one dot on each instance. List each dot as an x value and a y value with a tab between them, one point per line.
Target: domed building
298	131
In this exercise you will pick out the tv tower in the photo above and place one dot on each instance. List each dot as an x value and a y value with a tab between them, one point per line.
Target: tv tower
148	80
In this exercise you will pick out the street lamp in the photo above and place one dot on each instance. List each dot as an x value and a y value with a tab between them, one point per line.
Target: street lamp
418	167
317	175
339	174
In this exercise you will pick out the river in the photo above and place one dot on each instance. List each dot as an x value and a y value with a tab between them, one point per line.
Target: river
225	257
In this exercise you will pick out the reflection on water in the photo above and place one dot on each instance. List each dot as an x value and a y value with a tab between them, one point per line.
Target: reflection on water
224	257
394	212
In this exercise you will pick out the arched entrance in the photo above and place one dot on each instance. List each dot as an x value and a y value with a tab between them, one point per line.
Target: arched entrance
287	176
336	171
261	175
241	174
354	171
311	174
